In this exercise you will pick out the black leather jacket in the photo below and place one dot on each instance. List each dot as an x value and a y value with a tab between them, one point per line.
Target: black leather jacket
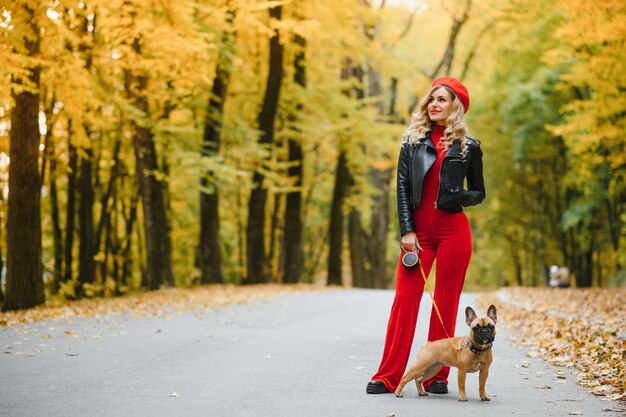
414	163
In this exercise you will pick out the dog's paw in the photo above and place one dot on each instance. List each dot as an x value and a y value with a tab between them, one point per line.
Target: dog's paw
485	398
399	394
423	394
463	399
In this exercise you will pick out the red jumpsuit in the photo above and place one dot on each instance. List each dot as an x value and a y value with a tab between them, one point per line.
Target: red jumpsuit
442	235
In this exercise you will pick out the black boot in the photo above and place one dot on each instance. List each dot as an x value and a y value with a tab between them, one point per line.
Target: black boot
376	387
438	387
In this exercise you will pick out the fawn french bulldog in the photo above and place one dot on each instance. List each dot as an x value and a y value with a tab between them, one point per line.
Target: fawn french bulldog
473	354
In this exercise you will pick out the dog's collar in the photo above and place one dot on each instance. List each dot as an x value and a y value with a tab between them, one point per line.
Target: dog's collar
476	349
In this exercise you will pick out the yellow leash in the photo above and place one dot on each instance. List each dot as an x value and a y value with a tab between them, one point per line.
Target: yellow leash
432	297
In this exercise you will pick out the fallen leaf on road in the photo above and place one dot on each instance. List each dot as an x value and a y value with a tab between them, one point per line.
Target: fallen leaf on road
174	394
542	386
602	390
575	413
613	397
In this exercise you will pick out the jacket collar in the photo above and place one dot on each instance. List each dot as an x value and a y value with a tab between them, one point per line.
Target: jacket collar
454	151
428	141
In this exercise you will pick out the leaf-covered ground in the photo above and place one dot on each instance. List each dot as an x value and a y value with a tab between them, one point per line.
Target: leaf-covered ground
580	328
168	301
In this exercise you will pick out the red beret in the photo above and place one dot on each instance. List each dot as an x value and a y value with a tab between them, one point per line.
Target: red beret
458	88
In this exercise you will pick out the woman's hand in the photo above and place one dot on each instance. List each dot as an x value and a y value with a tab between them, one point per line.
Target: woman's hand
409	242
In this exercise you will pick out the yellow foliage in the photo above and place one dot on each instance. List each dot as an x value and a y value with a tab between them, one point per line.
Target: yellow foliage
597	72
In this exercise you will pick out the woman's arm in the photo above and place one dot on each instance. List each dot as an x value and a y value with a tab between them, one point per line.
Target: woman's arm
475	192
403	187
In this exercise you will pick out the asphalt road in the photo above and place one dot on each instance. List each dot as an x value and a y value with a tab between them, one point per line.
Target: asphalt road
296	355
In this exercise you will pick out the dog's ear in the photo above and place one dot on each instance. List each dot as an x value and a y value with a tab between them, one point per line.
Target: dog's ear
470	315
491	313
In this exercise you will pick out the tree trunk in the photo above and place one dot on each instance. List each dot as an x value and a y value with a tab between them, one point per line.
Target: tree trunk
24	281
56	220
585	278
241	238
381	178
294	257
256	256
110	248
336	223
393	101
70	216
274	258
128	240
86	262
156	224
357	236
379	225
152	189
1	241
448	56
105	213
342	179
209	247
358	253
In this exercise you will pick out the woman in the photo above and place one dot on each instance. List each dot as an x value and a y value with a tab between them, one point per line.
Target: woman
435	160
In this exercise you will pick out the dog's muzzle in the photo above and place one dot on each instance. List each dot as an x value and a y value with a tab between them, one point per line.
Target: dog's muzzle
484	335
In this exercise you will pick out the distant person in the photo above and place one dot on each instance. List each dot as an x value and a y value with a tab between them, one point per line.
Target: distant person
435	160
554	276
563	277
559	277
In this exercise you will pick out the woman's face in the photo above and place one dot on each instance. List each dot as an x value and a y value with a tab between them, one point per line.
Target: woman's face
439	106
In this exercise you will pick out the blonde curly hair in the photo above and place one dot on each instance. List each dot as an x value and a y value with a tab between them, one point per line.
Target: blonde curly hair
420	123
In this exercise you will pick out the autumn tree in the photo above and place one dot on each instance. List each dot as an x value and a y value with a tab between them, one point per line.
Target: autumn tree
209	247
24	286
257	268
292	244
152	185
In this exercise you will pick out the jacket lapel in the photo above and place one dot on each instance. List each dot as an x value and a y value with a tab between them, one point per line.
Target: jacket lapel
454	151
428	141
